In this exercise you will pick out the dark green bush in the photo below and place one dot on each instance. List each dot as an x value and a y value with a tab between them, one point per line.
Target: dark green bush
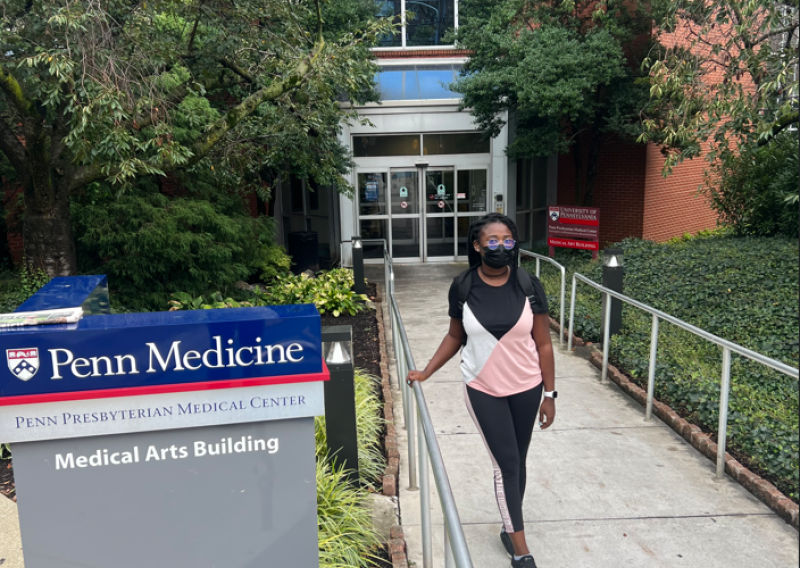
741	289
151	245
756	192
15	290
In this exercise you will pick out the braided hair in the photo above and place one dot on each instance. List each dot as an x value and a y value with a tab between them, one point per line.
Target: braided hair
473	256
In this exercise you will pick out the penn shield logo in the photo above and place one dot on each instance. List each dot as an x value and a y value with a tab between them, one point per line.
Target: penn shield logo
23	363
554	214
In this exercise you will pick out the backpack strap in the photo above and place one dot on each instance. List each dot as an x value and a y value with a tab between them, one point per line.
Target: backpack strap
524	281
464	282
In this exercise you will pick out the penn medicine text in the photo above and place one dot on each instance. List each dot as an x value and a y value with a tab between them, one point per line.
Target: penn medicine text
175	359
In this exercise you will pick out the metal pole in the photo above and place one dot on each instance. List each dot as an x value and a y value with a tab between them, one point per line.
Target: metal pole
571	312
606	336
359	286
449	561
561	313
725	388
424	500
651	375
410	432
538	267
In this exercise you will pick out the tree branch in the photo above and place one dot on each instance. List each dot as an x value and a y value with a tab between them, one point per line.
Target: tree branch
248	106
12	147
13	91
784	122
788	29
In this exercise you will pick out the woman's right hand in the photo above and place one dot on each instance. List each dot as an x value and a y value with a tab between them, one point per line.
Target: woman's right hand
416	376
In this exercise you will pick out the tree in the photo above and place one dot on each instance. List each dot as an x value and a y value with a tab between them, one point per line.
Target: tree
112	90
564	70
728	79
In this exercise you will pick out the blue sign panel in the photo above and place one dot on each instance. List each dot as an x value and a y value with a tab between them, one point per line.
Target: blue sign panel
126	351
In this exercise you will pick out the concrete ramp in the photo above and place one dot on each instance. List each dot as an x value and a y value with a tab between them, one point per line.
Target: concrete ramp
605	488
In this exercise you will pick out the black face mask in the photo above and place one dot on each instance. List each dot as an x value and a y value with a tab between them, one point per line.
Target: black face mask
497	258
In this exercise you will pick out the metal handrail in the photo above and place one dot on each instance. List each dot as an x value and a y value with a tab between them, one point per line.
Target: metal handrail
456	552
539	258
728	347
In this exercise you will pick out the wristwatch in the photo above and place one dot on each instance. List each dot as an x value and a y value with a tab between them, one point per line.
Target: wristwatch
551	394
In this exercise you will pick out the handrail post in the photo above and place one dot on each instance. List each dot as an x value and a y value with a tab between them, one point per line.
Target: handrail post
724	391
424	498
561	310
606	336
571	312
651	375
538	267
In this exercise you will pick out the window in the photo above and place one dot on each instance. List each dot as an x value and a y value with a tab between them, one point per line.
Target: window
463	143
417	82
429	21
392	145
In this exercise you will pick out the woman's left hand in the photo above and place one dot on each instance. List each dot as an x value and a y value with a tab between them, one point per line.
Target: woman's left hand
547	413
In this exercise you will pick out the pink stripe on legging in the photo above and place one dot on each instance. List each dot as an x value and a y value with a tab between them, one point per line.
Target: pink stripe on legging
499	489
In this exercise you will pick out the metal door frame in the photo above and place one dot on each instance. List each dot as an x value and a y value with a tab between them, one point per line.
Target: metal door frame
452	162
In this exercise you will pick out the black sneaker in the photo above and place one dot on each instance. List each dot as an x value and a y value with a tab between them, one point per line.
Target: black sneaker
506	540
524	562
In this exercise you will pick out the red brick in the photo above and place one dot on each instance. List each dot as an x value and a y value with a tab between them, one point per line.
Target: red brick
389	485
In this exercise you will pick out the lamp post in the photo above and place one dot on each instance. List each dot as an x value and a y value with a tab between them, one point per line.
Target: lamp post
613	275
359	286
340	399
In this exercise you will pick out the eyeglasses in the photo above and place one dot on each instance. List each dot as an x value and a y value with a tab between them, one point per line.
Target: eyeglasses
508	244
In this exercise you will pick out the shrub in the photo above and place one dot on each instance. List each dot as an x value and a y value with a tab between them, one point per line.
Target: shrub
329	292
756	191
14	292
741	289
151	245
369	426
273	263
346	536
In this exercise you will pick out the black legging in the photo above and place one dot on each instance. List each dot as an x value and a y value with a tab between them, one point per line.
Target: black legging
506	424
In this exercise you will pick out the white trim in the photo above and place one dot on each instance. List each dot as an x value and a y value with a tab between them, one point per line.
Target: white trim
422	61
414	47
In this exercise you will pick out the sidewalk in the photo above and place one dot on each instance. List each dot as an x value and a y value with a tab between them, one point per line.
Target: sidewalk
605	488
10	544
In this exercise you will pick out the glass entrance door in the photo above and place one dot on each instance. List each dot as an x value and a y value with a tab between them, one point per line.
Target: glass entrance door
440	197
406	214
424	213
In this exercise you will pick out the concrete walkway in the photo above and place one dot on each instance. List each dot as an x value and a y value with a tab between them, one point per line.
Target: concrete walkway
605	488
10	543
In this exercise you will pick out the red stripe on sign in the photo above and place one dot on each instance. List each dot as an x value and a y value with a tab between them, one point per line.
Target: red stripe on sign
594	223
164	389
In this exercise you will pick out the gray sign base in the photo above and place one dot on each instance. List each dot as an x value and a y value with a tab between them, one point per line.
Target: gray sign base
197	497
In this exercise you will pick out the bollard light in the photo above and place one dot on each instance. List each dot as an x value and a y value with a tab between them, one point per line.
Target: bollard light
359	285
613	276
340	399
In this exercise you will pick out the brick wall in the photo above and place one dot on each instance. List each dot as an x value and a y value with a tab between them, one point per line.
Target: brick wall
421	53
672	205
618	192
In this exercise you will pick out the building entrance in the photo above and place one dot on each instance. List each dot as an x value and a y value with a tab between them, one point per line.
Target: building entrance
423	211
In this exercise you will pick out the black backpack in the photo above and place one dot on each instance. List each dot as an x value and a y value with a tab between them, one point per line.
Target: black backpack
464	282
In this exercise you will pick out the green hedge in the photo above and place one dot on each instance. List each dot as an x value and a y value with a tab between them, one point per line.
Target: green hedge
742	289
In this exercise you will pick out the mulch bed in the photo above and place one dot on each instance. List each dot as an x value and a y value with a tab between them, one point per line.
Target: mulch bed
366	347
383	560
7	480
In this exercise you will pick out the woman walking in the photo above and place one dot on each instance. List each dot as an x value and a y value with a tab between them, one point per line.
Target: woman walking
499	316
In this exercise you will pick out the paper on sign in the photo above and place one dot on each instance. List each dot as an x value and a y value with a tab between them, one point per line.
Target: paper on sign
42	317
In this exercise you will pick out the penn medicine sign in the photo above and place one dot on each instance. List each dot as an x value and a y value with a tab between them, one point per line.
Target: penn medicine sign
175	358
